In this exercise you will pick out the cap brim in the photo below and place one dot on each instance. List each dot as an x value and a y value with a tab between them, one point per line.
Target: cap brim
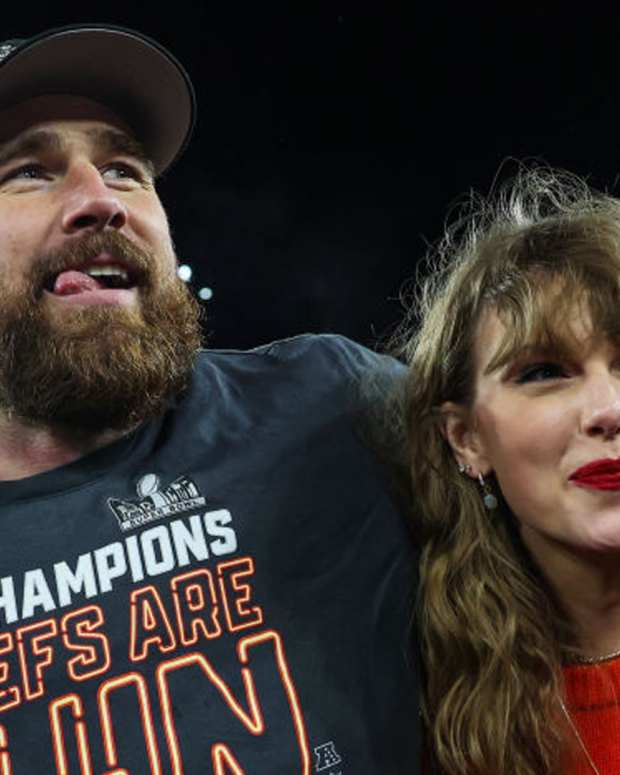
122	69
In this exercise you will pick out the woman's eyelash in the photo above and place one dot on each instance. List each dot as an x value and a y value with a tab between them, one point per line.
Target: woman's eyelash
538	372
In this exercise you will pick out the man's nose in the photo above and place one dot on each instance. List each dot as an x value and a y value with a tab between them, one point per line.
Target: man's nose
602	411
90	203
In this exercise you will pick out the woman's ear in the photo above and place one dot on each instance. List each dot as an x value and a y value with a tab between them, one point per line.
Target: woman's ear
459	429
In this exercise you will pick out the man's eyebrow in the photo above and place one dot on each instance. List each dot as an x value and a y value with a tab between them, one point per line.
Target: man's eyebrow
40	141
30	144
114	142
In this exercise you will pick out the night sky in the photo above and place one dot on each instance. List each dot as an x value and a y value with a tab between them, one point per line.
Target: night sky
333	138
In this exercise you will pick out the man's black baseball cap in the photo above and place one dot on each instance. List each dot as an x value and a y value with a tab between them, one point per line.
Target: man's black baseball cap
124	70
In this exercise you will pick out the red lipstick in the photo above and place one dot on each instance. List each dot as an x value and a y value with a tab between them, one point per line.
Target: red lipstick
599	474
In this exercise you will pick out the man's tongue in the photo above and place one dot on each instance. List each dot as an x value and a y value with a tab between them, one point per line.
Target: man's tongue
71	282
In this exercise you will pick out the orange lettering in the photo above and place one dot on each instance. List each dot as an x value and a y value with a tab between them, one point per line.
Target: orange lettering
191	592
224	762
250	716
236	594
93	656
146	715
6	768
74	703
149	624
29	641
11	695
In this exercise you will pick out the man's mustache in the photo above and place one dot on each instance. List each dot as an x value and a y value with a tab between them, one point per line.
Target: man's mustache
77	254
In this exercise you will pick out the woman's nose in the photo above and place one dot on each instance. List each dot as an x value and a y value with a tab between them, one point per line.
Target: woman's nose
601	415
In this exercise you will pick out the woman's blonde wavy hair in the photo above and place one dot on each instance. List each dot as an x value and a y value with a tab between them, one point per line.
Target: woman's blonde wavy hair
493	635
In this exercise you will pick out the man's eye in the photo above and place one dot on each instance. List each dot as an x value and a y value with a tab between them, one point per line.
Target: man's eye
28	171
540	372
122	171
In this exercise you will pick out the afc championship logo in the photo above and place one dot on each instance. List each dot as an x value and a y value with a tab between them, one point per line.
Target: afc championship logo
326	757
154	503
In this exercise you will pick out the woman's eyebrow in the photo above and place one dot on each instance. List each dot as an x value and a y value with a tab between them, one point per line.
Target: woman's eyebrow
559	349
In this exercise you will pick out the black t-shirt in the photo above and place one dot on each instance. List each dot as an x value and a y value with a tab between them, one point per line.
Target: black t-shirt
226	590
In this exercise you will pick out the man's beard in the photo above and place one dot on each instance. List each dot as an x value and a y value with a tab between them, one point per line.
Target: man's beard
93	368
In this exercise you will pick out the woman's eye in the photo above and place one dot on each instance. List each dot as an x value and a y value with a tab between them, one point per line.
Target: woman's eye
539	372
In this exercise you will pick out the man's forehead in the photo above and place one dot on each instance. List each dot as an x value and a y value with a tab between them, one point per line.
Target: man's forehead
54	107
44	122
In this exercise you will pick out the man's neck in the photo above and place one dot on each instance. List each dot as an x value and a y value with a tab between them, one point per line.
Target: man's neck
26	450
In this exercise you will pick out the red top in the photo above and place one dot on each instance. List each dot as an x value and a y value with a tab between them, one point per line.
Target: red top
593	701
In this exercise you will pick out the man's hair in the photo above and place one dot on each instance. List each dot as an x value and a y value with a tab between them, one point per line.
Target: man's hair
103	367
493	636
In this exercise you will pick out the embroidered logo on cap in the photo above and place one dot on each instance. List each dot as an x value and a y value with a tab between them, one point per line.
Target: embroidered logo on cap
6	49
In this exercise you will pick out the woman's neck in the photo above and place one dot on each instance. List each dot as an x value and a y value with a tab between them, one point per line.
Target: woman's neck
587	585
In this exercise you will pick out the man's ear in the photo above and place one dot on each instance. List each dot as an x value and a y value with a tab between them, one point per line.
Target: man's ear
459	429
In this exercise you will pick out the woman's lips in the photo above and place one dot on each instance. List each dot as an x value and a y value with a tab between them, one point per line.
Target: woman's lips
599	474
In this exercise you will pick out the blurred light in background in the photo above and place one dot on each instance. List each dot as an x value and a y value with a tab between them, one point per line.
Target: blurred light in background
185	272
205	294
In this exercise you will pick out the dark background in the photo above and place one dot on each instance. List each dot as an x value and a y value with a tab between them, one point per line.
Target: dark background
334	137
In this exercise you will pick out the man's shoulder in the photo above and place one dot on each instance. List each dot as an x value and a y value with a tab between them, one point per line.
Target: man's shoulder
309	375
316	353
